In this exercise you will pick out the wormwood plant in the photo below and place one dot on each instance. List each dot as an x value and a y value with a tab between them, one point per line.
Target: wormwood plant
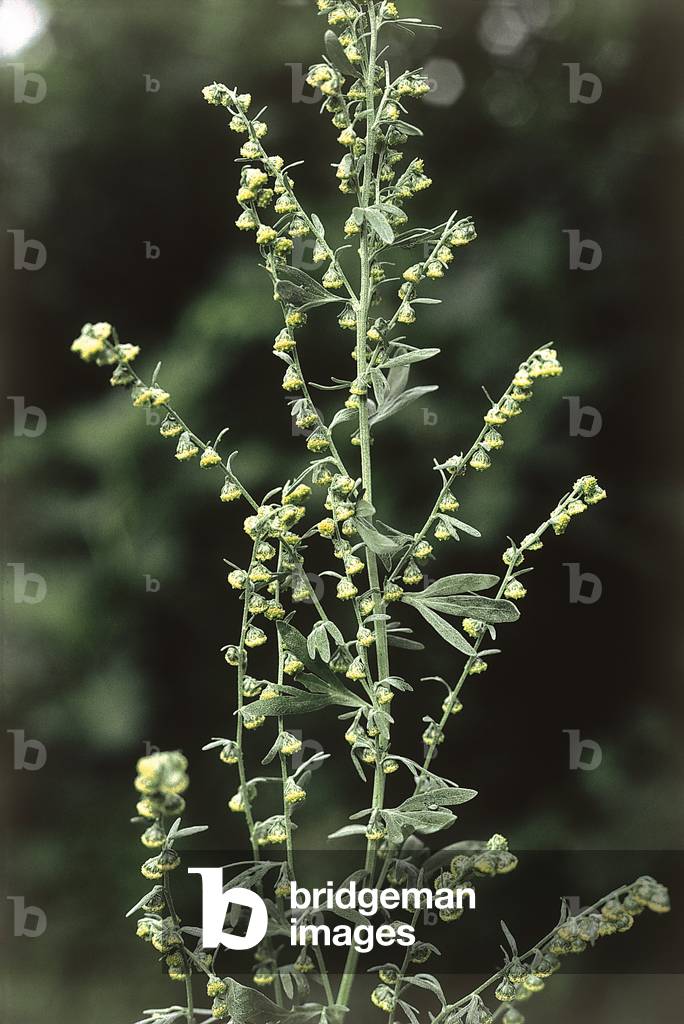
343	660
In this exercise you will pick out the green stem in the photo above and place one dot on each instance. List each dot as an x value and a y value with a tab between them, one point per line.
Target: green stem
362	342
173	913
382	652
249	817
324	976
403	969
282	758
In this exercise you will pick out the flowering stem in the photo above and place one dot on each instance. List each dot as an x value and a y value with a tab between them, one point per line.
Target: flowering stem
288	189
172	412
477	644
402	970
447	1010
362	342
249	817
173	914
366	459
281	755
458	471
411	289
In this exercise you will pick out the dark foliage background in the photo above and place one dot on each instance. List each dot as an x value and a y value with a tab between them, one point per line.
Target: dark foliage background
103	666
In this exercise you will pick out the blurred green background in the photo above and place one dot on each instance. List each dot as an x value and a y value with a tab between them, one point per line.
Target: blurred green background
121	152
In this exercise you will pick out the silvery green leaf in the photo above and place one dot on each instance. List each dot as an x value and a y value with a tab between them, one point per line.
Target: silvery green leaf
391	209
306	766
397	379
449	527
273	752
408	129
393	404
318	224
298	288
442	627
509	938
216	741
191	830
405	643
247	1006
380	224
334	631
396	827
285	976
364	508
486	609
379	543
416	355
416	236
252	876
300	705
409	1011
440	796
380	385
457	524
460	584
295	643
318	642
429	982
473	1015
336	693
337	56
174	828
424	300
348	830
426	822
138	905
342	416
